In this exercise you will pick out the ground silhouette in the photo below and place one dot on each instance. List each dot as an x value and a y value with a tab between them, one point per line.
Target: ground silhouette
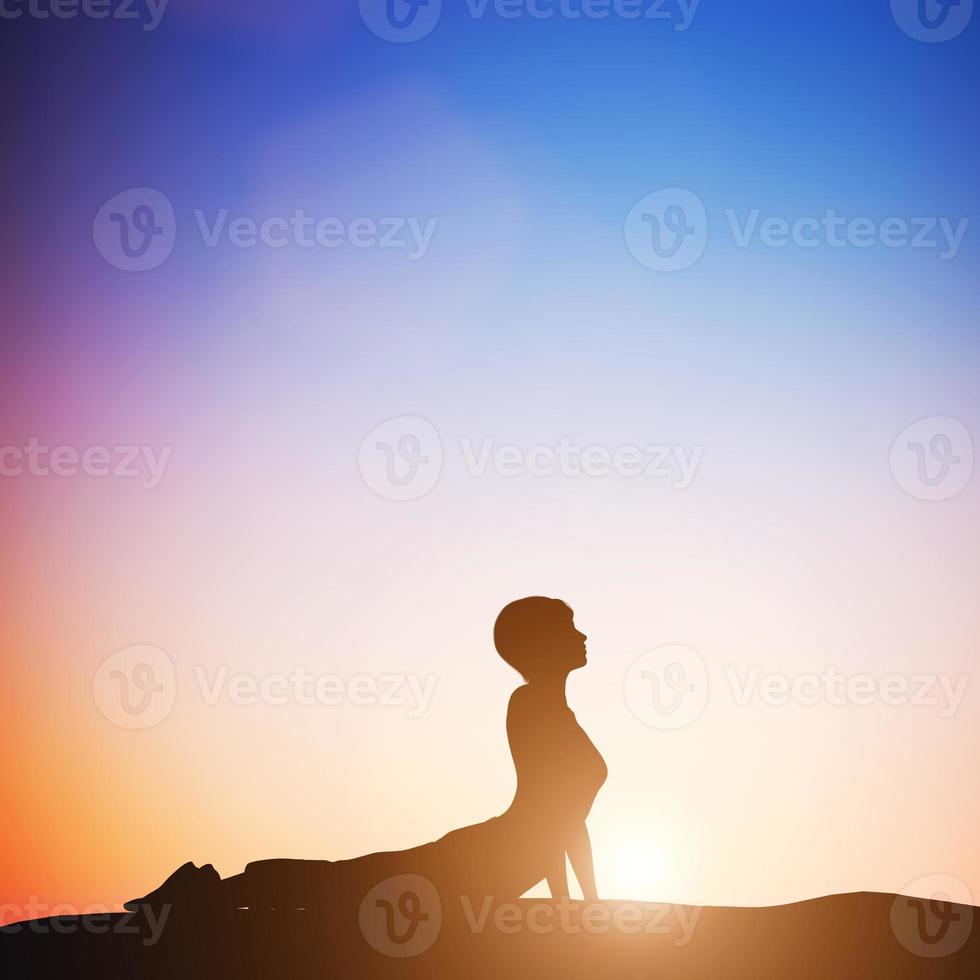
863	935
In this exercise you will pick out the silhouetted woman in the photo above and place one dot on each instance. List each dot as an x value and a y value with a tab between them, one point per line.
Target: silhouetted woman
559	772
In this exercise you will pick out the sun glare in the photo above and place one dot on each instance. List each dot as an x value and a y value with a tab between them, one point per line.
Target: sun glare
634	870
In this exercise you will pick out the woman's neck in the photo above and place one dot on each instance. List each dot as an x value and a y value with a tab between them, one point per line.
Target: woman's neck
551	686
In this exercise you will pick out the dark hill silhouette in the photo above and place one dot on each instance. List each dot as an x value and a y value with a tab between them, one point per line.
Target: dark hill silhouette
863	935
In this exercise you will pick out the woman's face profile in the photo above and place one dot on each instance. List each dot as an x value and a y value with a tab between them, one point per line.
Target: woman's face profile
567	644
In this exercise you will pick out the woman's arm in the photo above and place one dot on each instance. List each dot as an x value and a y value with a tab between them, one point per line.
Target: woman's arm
579	849
557	874
580	852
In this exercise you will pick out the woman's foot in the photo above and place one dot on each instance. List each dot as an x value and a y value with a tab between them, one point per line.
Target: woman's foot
188	885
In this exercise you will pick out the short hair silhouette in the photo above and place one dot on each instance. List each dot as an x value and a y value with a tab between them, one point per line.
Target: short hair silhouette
523	628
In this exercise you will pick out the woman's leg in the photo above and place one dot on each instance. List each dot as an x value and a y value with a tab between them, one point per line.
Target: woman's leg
280	883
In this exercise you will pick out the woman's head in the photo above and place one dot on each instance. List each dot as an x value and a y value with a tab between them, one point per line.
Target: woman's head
537	637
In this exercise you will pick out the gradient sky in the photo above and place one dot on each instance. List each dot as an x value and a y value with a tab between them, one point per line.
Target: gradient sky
526	321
